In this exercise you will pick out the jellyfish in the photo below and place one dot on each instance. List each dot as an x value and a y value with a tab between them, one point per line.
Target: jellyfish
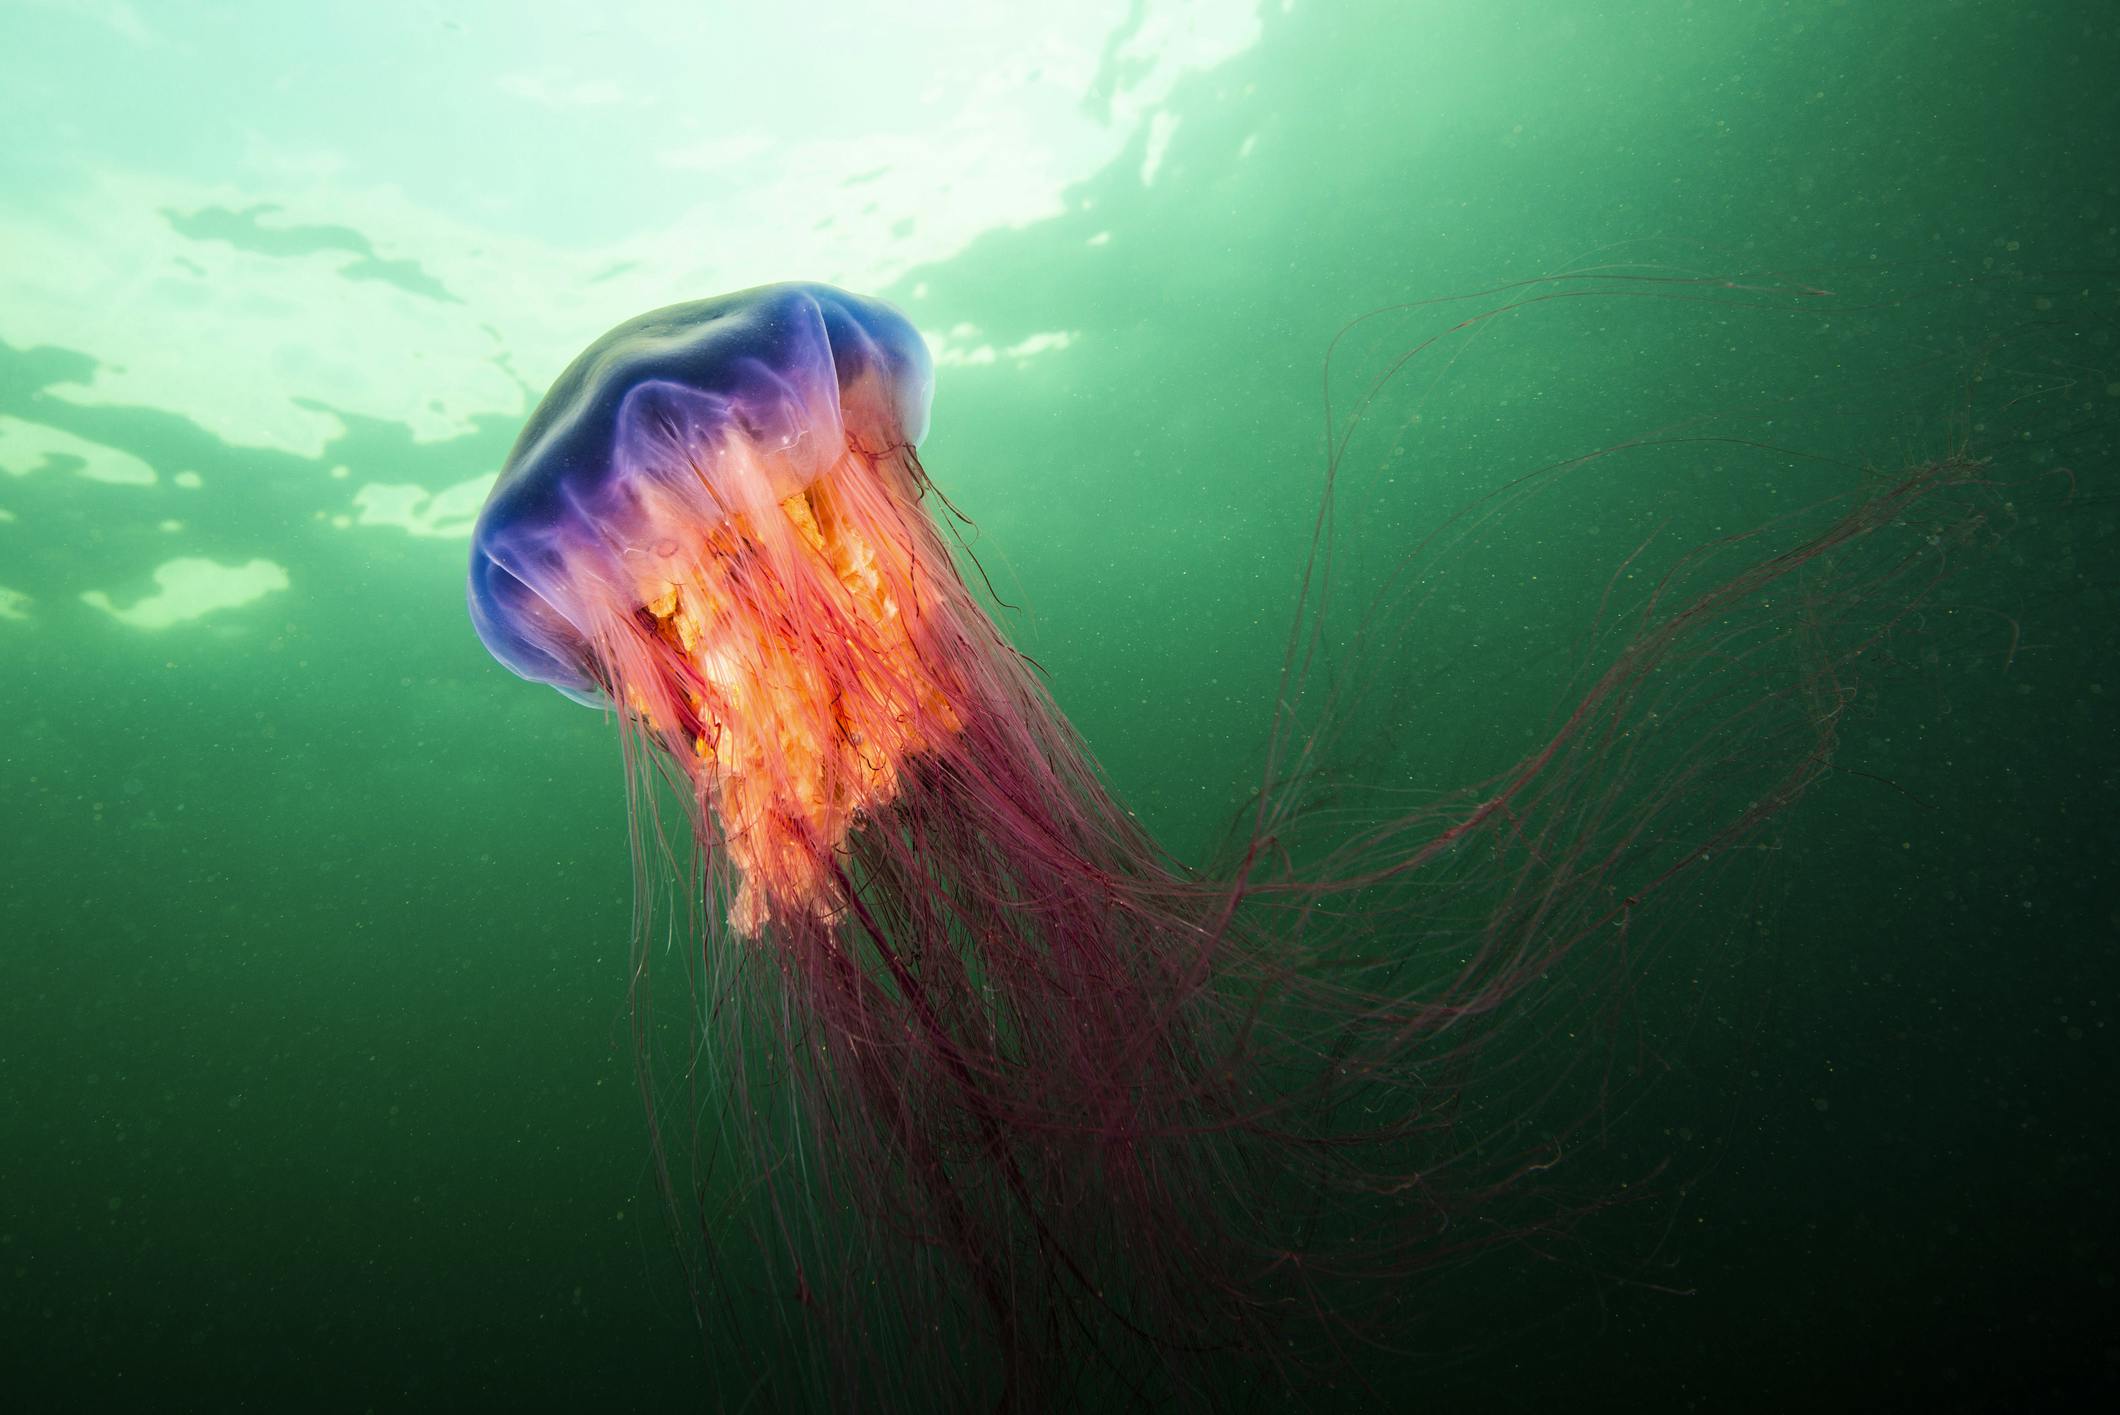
987	1095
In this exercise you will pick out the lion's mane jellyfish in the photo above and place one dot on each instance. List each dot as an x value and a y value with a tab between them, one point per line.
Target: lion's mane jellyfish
988	1098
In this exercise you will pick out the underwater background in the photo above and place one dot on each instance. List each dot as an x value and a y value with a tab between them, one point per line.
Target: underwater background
316	1085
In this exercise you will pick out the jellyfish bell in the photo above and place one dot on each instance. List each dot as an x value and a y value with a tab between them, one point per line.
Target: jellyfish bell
712	522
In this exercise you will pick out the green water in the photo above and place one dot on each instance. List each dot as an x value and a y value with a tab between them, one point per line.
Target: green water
316	1089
